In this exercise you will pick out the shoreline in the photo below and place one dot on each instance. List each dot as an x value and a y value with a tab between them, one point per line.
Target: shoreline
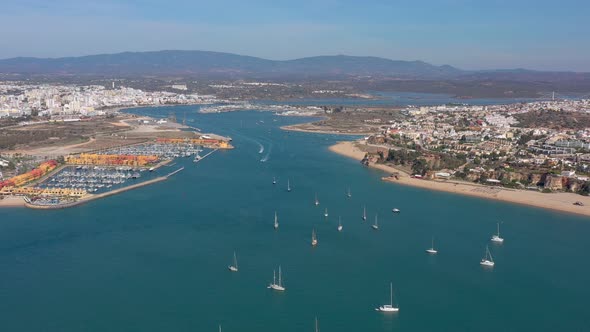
297	129
562	202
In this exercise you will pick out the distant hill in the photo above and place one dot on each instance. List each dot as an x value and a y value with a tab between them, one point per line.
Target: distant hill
224	65
216	65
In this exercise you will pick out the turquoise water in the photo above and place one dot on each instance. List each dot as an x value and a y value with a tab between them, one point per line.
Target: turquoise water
155	258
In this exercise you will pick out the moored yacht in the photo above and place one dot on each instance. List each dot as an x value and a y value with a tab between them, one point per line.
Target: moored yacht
388	307
496	237
487	260
274	285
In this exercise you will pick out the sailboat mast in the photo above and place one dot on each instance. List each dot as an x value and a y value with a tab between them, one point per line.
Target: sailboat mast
391	293
235	260
498	229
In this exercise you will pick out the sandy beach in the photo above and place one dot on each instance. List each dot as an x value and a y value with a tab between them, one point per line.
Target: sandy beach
12	201
555	201
320	131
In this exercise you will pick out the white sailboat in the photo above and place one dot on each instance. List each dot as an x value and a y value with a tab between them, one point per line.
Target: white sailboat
496	237
317	329
364	213
234	267
375	225
317	202
288	186
314	238
219	327
326	213
487	260
339	224
388	307
395	210
274	180
431	250
348	193
276	221
274	285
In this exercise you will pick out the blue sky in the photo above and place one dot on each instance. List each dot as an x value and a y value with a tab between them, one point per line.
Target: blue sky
545	35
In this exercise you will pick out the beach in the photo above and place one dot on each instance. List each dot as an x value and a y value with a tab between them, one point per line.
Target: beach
562	202
12	201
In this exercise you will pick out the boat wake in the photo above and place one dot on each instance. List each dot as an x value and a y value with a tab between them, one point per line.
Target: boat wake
267	156
260	147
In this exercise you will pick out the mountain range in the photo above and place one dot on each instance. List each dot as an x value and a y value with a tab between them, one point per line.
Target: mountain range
233	66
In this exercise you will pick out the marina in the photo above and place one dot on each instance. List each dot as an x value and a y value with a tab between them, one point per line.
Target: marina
170	248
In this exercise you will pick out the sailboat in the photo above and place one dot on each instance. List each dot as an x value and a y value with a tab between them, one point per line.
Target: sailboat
317	202
317	329
431	250
288	186
277	286
487	260
388	307
375	225
276	221
496	237
314	238
339	224
348	193
395	210
364	213
326	213
197	157
274	180
219	327
234	267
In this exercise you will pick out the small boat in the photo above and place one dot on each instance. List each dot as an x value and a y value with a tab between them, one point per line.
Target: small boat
339	224
317	329
395	210
151	169
274	285
348	193
317	202
496	237
197	157
388	307
314	238
364	213
431	250
326	213
219	327
375	225
288	186
234	267
276	221
274	180
487	260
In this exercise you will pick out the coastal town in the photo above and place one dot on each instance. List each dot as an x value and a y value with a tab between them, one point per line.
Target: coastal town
539	146
61	146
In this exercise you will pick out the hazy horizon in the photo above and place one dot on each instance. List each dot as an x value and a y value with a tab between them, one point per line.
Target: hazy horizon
535	35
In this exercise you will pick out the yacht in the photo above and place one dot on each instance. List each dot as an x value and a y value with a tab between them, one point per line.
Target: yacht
364	213
388	307
234	267
276	221
348	193
431	250
288	186
317	202
274	180
326	213
395	210
314	238
375	225
277	286
339	224
496	237
487	260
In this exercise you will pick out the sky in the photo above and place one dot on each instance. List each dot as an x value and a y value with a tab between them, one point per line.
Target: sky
477	34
